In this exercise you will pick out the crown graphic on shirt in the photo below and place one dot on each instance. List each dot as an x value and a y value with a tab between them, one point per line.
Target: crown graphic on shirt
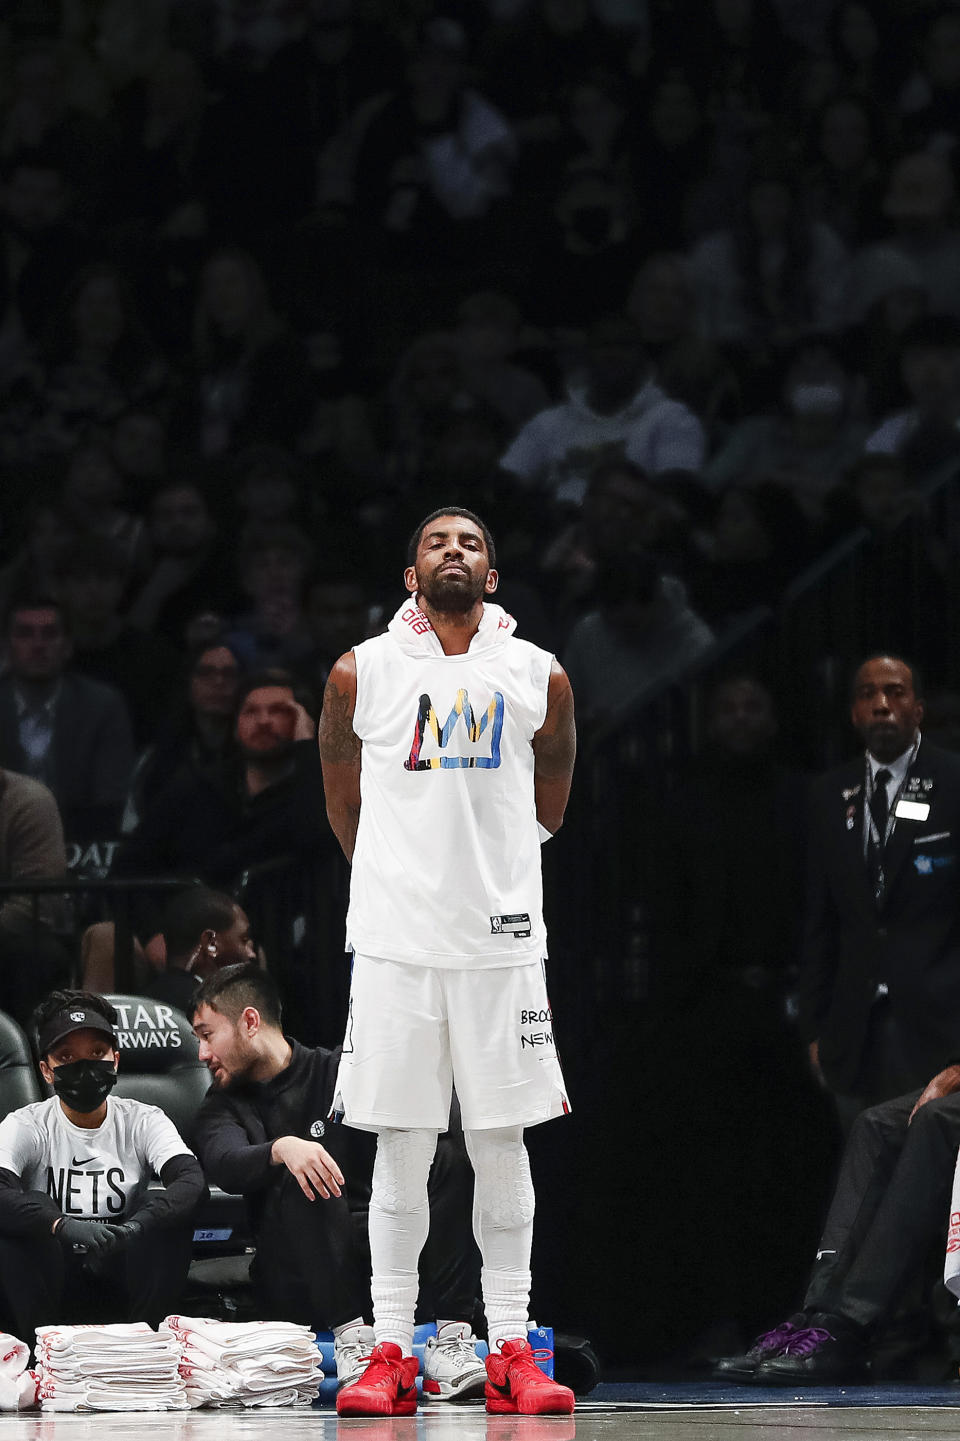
467	739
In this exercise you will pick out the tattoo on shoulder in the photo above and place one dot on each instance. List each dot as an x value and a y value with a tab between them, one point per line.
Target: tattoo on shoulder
339	742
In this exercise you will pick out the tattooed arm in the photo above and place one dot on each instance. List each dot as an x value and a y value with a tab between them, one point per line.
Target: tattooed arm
340	752
554	750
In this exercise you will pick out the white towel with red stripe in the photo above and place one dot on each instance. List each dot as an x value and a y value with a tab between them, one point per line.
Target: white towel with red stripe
246	1363
109	1368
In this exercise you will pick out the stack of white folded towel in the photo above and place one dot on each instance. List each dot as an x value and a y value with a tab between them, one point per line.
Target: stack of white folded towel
109	1368
253	1363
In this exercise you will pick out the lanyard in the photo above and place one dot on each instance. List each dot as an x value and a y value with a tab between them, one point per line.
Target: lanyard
870	832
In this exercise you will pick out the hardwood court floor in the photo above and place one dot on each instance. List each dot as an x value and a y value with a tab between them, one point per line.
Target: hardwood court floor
612	1413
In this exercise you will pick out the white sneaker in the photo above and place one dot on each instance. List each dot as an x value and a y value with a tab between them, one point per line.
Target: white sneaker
351	1352
452	1370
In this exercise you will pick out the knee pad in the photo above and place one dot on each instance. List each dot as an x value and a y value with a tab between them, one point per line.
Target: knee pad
401	1169
504	1188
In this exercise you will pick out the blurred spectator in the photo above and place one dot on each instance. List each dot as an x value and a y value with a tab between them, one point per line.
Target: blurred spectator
158	116
339	612
663	302
488	334
929	102
31	849
93	575
250	379
436	154
193	733
586	245
270	806
301	99
866	45
42	245
926	434
99	358
268	487
842	187
531	59
775	276
742	55
61	728
192	571
202	930
427	392
34	568
623	511
40	113
808	444
903	539
757	542
274	561
877	493
139	441
614	409
680	187
920	200
595	134
642	636
91	497
887	297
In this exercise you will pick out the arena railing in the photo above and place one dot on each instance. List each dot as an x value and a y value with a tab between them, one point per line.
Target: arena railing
56	908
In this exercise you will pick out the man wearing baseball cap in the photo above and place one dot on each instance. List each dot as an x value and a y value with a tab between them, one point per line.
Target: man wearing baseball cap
81	1237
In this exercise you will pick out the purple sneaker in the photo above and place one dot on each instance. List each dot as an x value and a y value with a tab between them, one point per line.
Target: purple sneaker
765	1347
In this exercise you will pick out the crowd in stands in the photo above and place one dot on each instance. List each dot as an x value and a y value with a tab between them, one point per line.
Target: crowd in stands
672	302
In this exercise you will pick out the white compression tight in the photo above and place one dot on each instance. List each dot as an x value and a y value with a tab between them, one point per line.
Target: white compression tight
502	1222
398	1225
503	1206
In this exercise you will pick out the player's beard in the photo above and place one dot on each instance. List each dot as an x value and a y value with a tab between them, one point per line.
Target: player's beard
452	594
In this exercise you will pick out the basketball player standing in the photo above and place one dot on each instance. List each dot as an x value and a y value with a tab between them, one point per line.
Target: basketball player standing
448	746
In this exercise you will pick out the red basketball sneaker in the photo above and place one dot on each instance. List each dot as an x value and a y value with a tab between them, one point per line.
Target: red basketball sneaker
388	1386
516	1385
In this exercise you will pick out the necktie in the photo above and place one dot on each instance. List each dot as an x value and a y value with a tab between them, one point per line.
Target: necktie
879	810
879	805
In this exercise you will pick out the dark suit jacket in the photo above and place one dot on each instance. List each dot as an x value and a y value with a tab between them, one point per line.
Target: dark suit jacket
912	944
91	758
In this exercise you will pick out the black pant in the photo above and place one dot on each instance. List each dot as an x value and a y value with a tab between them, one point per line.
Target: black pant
44	1283
313	1257
891	1202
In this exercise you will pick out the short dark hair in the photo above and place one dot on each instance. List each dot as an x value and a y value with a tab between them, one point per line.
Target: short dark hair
276	676
232	989
58	1001
258	679
190	913
915	676
414	543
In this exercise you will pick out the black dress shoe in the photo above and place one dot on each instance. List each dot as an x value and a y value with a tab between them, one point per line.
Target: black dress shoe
818	1358
772	1343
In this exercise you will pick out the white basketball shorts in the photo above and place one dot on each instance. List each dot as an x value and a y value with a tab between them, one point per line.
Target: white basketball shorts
414	1032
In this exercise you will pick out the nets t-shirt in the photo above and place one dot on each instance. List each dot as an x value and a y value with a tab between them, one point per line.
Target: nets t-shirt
94	1174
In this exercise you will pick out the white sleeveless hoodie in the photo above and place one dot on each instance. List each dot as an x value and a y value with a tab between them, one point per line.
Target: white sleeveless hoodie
446	869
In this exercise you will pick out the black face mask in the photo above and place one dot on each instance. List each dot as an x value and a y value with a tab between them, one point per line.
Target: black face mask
84	1085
